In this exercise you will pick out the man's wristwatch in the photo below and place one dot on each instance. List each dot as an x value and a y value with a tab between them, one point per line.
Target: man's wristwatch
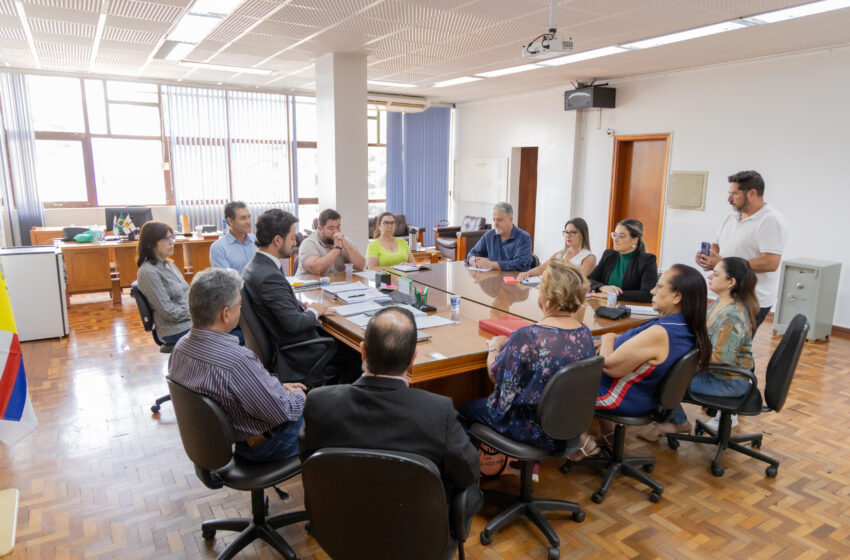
336	247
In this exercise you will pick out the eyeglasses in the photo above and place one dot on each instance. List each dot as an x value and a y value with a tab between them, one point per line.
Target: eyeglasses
620	236
388	223
569	233
171	238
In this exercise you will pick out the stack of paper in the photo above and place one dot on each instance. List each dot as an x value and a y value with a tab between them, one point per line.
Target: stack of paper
366	294
301	283
643	310
357	308
339	287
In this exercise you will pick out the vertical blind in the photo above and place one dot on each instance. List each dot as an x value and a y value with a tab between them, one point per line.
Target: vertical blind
418	167
227	145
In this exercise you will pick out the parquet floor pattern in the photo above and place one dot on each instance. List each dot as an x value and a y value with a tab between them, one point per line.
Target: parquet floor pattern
103	478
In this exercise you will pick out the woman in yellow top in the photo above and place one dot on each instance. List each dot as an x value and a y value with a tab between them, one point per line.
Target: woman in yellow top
386	250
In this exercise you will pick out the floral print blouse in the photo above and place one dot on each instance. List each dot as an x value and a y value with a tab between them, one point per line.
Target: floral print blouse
530	357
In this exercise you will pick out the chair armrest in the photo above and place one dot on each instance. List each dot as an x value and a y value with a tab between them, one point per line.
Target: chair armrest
417	228
320	340
210	479
447	231
473	233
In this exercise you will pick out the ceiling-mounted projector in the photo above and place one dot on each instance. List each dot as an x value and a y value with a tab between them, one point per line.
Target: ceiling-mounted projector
548	44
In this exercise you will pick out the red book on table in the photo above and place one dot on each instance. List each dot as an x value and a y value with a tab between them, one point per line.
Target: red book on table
503	325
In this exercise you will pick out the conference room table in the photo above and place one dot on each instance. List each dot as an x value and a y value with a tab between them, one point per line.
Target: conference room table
453	360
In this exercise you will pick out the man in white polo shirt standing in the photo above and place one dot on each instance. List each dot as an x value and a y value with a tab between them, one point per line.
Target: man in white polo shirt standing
752	231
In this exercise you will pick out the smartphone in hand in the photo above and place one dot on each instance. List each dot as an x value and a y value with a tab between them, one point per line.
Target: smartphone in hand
705	248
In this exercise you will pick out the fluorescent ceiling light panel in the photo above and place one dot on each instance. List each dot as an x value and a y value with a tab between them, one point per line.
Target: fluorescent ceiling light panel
179	51
219	8
388	84
22	15
685	35
506	71
586	55
457	81
193	29
237	69
802	11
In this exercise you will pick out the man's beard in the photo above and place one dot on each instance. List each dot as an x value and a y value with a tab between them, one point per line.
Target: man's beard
326	241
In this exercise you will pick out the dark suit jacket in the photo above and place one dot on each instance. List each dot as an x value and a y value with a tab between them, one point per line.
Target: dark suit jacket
381	413
282	316
641	275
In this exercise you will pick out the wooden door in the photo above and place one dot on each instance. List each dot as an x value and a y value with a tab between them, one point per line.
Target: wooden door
527	206
639	184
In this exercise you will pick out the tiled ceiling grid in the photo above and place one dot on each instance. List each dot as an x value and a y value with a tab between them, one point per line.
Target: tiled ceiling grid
417	42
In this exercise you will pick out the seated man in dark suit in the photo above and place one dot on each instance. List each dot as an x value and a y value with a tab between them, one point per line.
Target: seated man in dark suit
381	411
283	316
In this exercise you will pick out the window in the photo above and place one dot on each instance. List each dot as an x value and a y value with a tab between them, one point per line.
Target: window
97	142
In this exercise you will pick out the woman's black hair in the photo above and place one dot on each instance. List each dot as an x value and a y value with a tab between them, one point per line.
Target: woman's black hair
635	228
744	290
691	286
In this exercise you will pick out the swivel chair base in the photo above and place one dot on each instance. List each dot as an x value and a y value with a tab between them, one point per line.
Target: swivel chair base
614	464
260	526
723	440
532	508
159	401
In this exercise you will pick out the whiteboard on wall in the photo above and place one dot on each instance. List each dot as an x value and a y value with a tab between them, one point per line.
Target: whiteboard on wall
481	180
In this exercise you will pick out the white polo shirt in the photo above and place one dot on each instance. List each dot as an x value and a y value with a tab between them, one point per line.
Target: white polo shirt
763	232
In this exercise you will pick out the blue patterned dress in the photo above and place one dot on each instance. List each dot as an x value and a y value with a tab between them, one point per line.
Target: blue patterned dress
530	357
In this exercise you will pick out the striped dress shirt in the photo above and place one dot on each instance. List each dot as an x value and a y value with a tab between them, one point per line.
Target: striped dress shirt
212	363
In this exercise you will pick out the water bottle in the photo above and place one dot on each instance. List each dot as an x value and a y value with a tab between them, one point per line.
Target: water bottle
413	239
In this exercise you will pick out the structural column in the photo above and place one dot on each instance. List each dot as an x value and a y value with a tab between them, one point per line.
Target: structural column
342	141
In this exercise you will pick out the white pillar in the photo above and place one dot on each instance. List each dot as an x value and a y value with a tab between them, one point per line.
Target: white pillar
342	142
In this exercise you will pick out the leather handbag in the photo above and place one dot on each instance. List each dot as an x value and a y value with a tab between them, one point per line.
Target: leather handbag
613	313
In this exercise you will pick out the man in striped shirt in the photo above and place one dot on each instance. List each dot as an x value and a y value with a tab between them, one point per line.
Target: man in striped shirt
265	414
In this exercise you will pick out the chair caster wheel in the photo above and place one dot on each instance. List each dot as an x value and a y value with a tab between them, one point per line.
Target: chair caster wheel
598	497
565	468
756	443
716	469
673	443
655	497
578	516
554	554
486	538
208	533
648	468
771	471
698	431
155	408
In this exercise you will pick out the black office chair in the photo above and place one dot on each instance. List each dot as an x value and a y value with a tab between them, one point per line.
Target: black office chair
366	504
671	389
565	412
535	261
257	340
780	372
146	314
207	438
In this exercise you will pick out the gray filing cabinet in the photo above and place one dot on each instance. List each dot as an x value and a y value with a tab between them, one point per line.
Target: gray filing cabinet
810	287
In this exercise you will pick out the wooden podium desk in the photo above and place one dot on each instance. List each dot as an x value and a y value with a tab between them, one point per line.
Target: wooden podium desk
111	265
453	362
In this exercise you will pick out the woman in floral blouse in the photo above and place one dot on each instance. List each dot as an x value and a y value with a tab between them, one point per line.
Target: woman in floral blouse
730	327
521	364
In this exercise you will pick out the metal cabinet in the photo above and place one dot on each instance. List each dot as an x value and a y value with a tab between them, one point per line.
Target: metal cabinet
810	287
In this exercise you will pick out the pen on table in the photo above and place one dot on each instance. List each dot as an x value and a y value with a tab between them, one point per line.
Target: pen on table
425	297
358	295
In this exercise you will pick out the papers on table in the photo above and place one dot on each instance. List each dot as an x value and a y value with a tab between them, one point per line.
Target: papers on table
357	308
358	296
533	280
408	267
339	287
301	283
423	321
642	310
478	268
416	312
367	274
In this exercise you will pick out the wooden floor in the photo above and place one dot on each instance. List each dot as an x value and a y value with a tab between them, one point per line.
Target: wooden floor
103	478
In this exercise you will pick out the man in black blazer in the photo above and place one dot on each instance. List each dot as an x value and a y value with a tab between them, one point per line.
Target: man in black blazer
285	319
381	411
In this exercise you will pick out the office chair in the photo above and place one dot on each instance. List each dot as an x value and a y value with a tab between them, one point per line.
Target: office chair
365	504
780	372
207	438
535	261
565	412
455	242
671	389
258	340
146	313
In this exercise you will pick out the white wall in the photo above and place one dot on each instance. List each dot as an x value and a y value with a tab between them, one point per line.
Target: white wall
492	129
786	117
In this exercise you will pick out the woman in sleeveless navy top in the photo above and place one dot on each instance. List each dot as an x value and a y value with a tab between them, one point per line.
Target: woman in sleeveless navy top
637	360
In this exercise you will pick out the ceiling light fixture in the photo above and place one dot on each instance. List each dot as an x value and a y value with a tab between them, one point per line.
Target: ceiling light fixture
801	11
178	51
388	84
685	35
507	71
236	69
457	81
98	35
22	15
586	55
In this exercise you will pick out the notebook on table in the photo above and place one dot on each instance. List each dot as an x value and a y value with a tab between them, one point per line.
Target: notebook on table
503	325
